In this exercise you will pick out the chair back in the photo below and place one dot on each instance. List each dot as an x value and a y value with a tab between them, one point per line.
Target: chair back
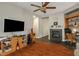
14	43
20	42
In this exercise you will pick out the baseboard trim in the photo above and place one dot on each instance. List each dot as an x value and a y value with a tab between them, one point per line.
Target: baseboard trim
42	36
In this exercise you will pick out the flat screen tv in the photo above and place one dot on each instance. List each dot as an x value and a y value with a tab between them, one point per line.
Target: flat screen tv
13	25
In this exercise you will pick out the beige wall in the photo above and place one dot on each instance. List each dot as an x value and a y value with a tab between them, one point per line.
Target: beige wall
43	27
16	13
36	25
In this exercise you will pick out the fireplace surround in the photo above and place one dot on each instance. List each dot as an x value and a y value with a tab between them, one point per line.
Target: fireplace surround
55	35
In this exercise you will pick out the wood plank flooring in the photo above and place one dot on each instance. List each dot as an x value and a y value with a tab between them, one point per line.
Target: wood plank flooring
40	48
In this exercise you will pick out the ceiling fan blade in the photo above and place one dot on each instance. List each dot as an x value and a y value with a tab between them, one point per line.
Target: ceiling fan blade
44	11
36	10
46	3
50	7
35	5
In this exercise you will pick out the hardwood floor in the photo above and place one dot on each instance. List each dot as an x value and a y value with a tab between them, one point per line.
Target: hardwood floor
40	48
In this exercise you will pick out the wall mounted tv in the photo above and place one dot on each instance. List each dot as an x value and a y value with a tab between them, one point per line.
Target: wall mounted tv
13	25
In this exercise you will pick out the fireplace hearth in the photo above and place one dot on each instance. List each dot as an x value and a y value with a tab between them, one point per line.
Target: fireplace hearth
55	35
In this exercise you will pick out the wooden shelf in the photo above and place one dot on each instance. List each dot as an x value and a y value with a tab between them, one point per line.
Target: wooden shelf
14	41
69	17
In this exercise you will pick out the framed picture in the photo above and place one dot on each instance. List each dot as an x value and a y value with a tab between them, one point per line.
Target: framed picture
55	23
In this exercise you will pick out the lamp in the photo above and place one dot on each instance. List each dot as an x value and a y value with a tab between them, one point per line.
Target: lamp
74	30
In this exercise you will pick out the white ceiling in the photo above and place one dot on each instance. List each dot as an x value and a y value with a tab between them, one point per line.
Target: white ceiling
60	7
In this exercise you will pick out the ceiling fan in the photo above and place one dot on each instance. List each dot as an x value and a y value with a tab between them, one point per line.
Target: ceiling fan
43	7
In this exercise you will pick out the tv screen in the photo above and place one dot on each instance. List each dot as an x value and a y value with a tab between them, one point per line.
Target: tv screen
13	25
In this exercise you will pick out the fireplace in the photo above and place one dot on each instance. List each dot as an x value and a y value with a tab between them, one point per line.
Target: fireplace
56	35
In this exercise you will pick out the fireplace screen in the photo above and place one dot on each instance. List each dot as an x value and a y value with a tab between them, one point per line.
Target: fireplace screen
56	35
